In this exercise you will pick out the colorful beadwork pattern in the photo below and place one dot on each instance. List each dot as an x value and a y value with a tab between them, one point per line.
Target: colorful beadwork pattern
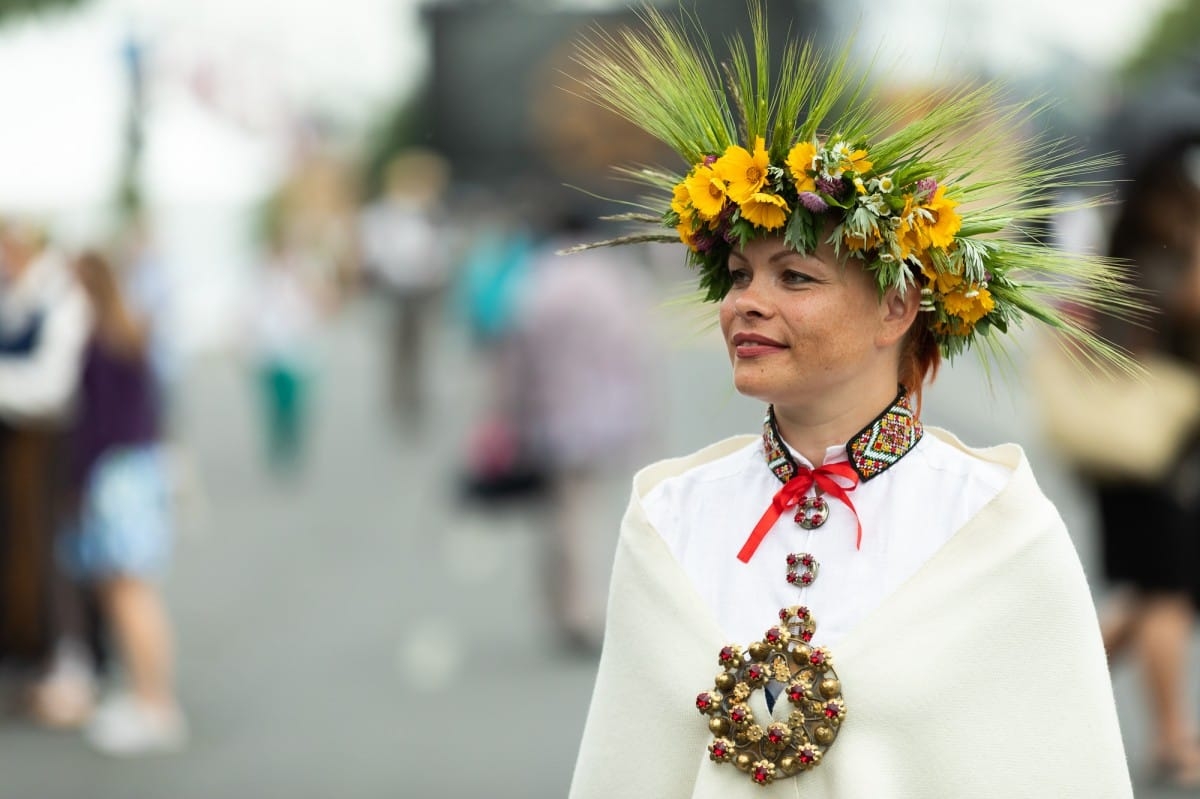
876	448
886	440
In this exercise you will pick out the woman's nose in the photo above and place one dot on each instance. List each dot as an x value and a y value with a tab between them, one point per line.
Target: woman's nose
751	302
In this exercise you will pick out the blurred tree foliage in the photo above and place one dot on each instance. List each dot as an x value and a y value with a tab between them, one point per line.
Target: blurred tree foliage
1171	39
11	9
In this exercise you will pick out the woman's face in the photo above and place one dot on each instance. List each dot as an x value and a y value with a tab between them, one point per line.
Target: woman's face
806	327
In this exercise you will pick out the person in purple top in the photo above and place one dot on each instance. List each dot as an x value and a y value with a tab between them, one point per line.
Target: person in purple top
118	529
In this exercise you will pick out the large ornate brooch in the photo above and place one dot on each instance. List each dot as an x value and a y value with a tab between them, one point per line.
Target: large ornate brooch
803	674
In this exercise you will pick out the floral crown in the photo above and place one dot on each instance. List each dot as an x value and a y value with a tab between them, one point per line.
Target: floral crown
821	152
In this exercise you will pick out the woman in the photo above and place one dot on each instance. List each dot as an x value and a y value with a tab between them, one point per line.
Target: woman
118	533
1158	568
886	611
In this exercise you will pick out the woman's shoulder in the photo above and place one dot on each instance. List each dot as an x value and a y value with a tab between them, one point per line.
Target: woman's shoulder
1002	470
942	451
722	460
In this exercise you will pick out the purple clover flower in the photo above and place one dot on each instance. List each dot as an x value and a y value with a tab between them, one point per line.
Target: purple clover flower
834	187
813	202
709	160
927	186
704	242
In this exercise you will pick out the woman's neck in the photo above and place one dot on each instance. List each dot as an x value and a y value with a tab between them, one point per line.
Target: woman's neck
814	427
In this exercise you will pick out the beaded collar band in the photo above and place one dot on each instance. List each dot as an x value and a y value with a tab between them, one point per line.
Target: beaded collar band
871	451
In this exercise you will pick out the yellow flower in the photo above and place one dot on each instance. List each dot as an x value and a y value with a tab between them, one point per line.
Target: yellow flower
940	282
910	234
767	211
707	192
867	240
846	160
743	171
969	309
685	229
681	201
946	220
799	161
859	163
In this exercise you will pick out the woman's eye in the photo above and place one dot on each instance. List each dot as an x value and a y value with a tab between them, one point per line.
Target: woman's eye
740	277
795	278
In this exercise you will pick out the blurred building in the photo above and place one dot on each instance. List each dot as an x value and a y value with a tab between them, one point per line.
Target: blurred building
505	108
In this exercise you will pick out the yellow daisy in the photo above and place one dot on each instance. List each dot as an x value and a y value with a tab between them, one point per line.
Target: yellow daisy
706	191
681	201
685	229
940	282
767	211
858	163
946	220
745	172
969	309
800	161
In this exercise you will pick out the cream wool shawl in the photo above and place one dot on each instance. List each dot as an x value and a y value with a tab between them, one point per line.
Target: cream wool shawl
981	676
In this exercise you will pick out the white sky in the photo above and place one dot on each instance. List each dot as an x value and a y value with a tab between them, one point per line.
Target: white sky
62	87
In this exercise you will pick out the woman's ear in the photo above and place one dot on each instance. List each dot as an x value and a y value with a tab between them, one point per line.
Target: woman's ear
898	309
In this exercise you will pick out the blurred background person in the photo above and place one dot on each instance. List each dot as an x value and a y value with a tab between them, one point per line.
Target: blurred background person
1150	524
576	380
284	312
118	525
407	251
44	323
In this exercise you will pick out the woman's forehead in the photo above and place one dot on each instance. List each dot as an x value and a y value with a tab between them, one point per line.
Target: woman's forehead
771	251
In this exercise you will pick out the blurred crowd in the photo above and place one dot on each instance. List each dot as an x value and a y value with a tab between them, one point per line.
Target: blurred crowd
91	478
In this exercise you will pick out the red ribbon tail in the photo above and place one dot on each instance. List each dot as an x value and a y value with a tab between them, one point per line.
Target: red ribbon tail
788	495
759	533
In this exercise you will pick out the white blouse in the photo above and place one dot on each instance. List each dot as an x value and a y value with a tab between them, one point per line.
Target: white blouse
908	512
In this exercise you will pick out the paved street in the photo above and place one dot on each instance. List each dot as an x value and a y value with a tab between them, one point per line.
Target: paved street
354	634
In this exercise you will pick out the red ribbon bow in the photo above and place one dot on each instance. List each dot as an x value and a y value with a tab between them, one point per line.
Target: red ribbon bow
794	490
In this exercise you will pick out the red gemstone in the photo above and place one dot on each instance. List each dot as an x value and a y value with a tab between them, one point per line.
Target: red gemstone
761	774
704	701
817	657
795	692
831	711
806	756
755	673
806	636
774	735
802	612
808	560
784	614
773	635
806	578
793	577
719	750
726	654
792	560
737	714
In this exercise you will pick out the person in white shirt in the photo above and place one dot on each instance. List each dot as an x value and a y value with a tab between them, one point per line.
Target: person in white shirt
44	325
851	604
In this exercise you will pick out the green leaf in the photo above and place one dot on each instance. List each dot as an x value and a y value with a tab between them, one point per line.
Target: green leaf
801	231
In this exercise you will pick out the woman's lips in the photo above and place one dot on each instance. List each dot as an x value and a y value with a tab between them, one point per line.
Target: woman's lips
752	345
